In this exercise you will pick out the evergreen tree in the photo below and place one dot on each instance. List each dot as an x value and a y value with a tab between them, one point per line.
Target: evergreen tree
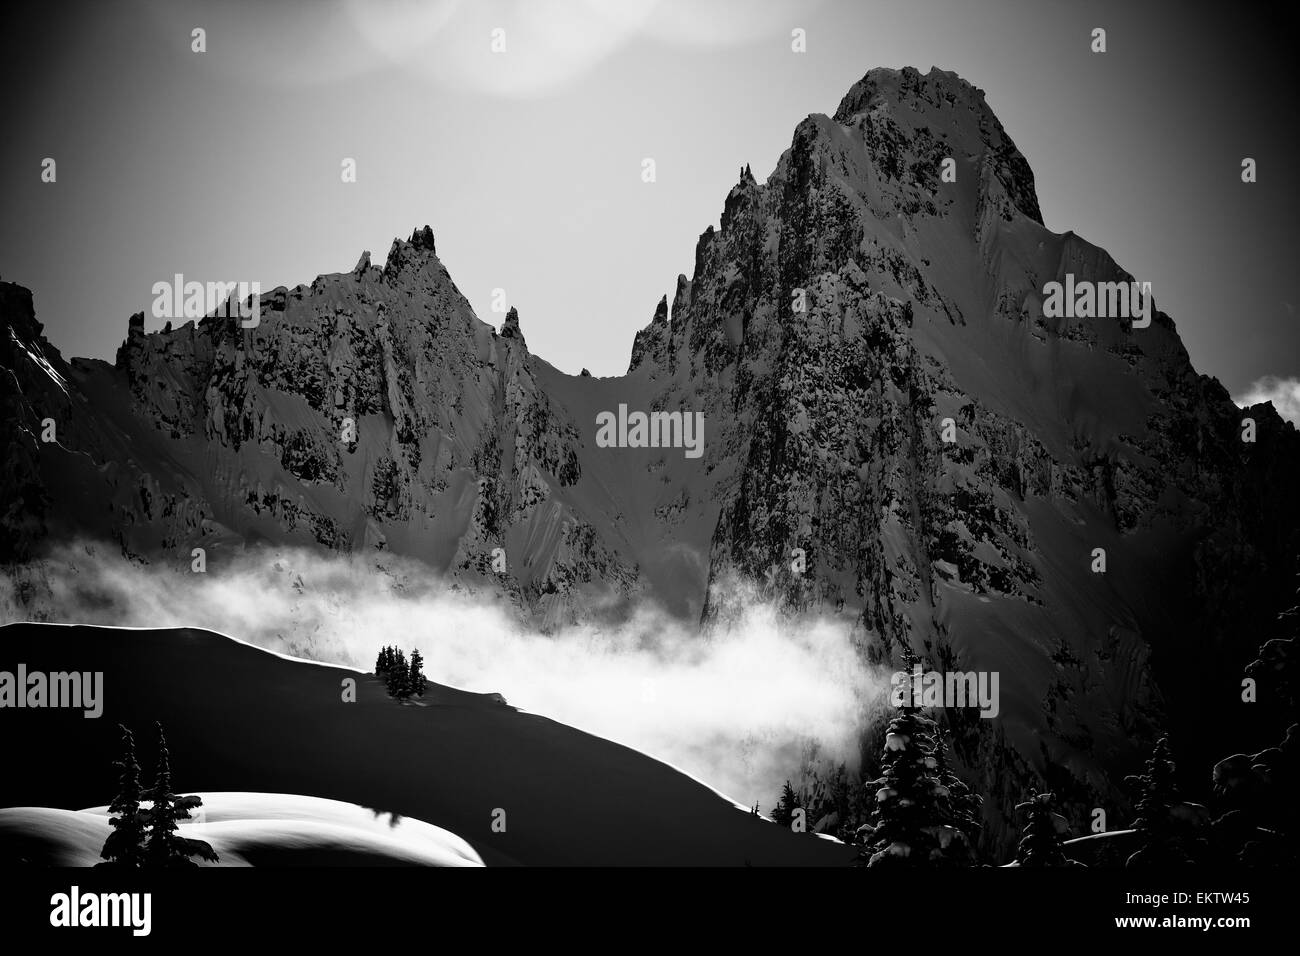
381	662
1041	842
125	845
398	677
416	680
783	812
164	847
1255	794
1162	836
912	811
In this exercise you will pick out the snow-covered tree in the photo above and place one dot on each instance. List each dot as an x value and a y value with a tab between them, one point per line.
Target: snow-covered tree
912	821
1042	841
1161	824
1255	795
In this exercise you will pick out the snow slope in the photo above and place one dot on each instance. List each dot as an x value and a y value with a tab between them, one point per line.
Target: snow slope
249	829
243	723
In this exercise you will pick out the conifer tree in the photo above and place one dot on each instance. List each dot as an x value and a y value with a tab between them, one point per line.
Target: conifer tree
398	676
125	845
783	812
1041	842
164	847
1255	794
416	680
1161	836
911	811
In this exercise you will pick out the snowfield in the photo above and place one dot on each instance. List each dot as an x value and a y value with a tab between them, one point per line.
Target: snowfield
251	829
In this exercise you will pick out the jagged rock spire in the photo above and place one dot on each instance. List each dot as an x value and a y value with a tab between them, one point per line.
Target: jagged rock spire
423	239
510	328
400	252
652	341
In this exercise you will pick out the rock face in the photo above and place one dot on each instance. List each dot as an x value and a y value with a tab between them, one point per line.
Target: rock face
371	410
844	310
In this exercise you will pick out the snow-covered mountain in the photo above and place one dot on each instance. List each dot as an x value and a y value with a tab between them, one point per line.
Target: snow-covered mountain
843	310
369	412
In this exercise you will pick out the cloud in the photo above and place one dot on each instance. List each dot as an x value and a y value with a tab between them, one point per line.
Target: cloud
515	48
1284	393
545	46
741	708
549	45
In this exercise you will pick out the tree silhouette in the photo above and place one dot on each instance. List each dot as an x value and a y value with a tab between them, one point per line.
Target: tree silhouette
164	847
1162	835
398	677
783	812
1255	794
416	678
125	845
1041	842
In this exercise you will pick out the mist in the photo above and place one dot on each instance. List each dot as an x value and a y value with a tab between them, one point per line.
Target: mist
741	709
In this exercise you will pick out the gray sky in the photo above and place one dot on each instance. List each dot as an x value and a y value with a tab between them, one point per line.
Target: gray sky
226	165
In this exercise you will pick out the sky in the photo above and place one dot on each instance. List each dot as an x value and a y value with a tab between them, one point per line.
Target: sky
226	164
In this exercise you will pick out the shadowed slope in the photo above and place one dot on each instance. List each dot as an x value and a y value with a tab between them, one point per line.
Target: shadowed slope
242	719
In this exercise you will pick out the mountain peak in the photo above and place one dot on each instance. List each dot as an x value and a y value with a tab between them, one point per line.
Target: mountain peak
894	107
17	315
419	247
909	83
510	328
651	343
423	239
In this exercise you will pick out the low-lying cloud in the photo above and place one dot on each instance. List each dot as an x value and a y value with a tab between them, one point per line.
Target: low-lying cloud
740	708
